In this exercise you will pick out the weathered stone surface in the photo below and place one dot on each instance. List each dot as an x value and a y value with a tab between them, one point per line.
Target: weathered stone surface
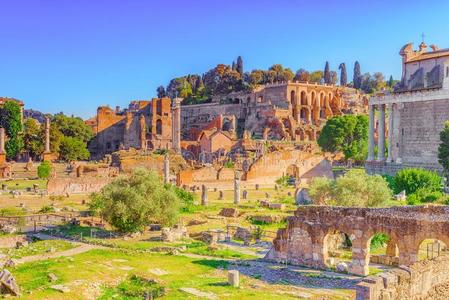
8	283
229	212
234	278
176	233
302	197
199	294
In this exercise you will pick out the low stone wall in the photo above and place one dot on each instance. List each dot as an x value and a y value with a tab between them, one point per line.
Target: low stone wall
11	241
79	185
422	280
384	168
53	218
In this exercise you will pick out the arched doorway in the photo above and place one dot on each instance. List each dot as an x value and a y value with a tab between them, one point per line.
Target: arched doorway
431	248
337	247
304	98
383	250
292	171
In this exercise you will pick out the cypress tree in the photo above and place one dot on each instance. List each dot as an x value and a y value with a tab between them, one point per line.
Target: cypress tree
327	74
357	76
239	66
343	75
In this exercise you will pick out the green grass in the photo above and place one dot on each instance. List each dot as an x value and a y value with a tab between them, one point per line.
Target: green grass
21	184
133	288
38	247
12	212
202	249
105	267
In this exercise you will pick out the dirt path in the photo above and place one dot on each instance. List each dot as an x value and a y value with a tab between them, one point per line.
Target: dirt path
79	248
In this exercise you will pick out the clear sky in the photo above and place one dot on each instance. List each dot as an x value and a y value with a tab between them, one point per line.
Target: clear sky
72	56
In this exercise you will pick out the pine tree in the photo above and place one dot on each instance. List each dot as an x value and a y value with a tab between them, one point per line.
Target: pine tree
161	92
327	74
391	81
343	75
239	66
233	66
357	76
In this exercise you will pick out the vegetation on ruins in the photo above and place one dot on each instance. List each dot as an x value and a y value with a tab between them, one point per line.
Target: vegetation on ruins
44	170
33	138
420	186
347	134
443	149
129	203
354	189
11	120
224	79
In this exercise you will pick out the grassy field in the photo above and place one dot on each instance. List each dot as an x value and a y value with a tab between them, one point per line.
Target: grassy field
98	273
38	247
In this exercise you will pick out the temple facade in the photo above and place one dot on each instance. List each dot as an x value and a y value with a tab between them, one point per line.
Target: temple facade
417	111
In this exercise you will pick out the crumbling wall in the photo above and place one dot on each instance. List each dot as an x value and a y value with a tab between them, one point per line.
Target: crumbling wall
78	185
423	280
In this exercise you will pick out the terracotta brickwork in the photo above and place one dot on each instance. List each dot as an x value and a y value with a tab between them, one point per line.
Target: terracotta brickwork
305	240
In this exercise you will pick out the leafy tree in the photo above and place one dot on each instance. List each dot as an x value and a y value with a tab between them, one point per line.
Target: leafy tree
302	75
130	203
44	170
33	137
327	74
11	120
413	179
239	66
161	92
71	149
443	149
256	77
72	127
316	77
391	81
354	189
343	75
357	80
348	134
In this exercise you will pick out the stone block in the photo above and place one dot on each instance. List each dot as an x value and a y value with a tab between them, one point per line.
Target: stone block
234	278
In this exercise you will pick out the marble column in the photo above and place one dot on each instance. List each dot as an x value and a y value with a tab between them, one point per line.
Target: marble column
176	124
203	195
166	169
371	134
237	188
390	132
47	135
2	140
381	134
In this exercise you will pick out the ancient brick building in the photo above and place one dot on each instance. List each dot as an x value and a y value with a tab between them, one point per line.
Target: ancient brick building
143	125
418	109
286	111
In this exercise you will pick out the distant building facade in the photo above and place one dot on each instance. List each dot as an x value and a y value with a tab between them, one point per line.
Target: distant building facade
143	125
417	111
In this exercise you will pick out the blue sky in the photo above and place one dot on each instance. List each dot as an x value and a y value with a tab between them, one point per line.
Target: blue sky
72	56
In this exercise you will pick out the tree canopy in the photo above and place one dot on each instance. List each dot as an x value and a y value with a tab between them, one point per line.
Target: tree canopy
347	134
354	189
11	120
130	203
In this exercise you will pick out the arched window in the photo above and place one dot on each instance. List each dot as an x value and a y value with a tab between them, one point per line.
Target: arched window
158	127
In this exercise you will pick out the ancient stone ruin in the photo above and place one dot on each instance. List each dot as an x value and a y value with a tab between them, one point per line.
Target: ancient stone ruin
306	239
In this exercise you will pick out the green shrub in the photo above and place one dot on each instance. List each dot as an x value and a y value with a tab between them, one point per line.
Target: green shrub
378	241
44	170
425	195
46	209
411	180
229	164
186	198
284	181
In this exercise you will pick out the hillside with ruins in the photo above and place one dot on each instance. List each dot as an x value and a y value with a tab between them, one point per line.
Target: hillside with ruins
224	150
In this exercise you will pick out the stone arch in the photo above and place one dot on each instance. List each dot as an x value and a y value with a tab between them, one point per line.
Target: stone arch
159	126
384	254
293	97
334	241
304	100
432	247
312	98
300	132
159	107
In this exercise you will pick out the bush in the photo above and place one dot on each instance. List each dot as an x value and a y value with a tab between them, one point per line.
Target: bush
229	164
186	198
355	189
130	203
44	170
378	241
284	181
47	209
424	195
411	180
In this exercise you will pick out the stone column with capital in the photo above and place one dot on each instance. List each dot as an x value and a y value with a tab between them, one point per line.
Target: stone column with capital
390	132
371	134
381	134
176	124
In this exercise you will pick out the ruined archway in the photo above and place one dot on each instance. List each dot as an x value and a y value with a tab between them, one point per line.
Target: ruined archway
304	98
292	171
337	247
158	126
431	248
383	250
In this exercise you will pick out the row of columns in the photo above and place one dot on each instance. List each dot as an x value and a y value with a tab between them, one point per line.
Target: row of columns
381	130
